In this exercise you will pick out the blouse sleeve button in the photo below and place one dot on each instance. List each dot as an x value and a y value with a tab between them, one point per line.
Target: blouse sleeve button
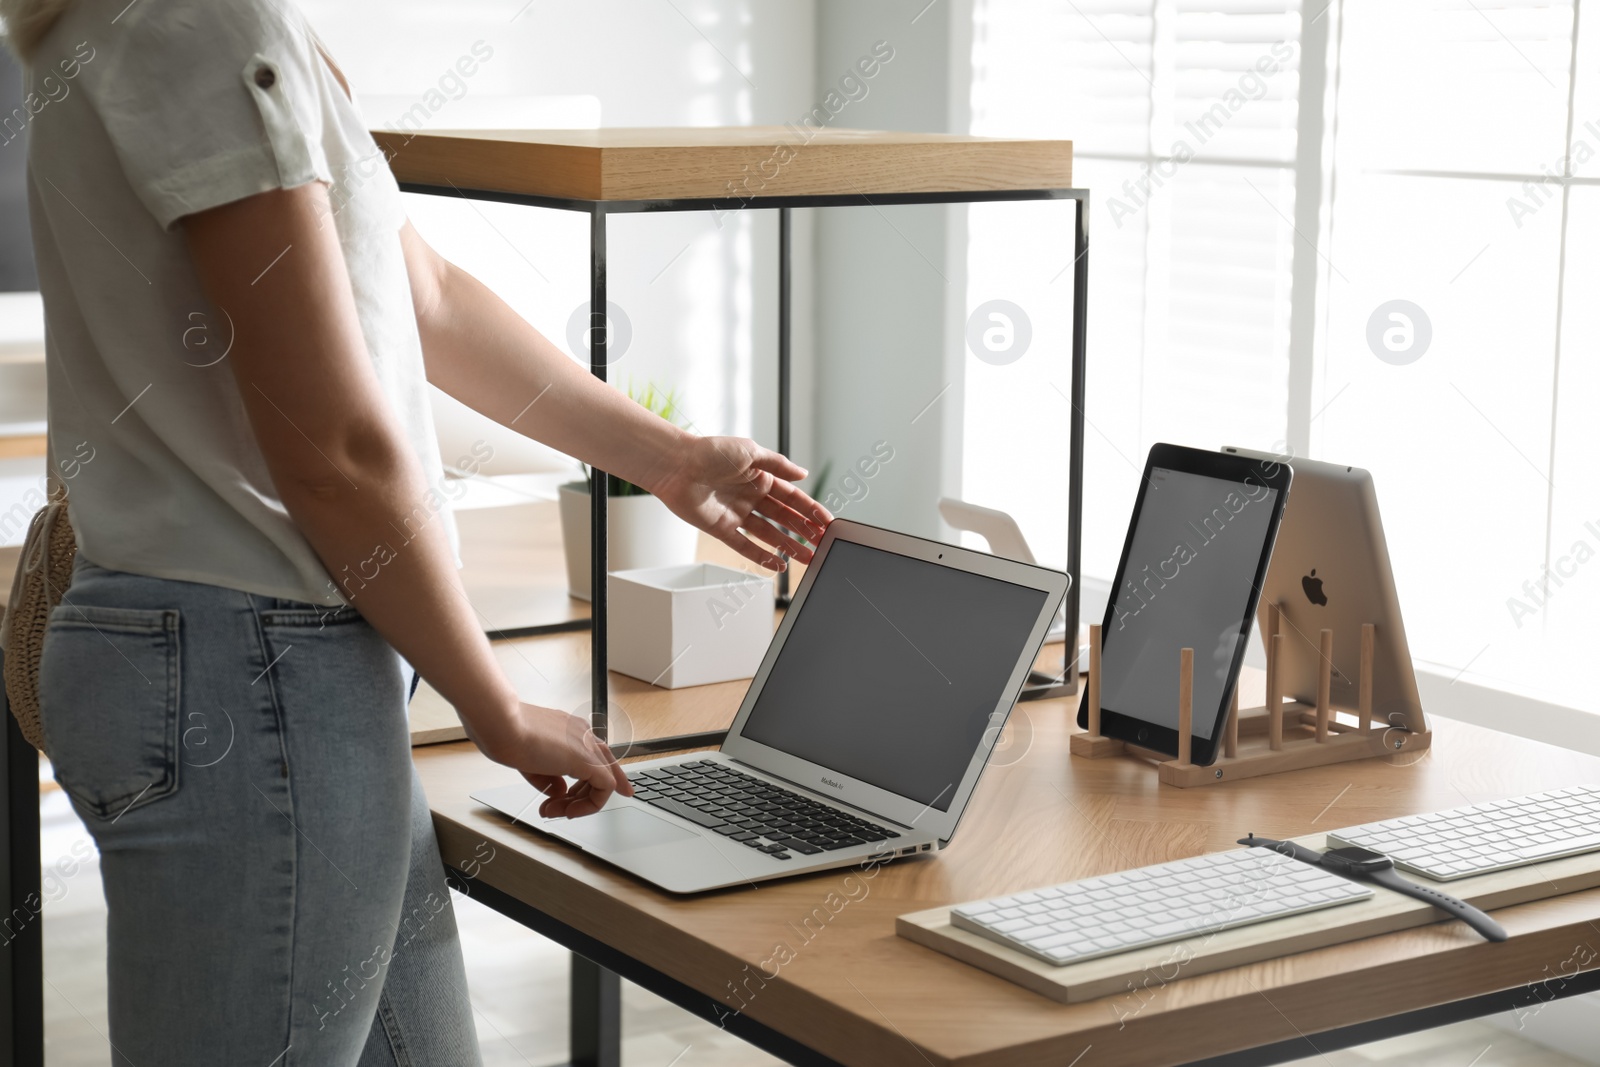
265	78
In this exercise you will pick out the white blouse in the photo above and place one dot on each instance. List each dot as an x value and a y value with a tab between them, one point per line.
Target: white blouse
146	113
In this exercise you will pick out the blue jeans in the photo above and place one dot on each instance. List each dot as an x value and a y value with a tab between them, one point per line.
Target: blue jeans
274	889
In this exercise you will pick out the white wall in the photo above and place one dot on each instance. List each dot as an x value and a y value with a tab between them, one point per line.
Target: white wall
886	280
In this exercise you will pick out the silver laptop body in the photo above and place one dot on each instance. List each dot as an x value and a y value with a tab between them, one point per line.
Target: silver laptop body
878	702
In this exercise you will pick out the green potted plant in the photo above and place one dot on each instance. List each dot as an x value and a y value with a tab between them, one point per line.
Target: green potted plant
640	531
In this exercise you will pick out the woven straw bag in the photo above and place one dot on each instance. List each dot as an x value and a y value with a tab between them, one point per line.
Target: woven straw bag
42	577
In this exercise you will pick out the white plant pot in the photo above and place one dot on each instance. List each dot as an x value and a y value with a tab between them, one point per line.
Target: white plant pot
640	532
688	625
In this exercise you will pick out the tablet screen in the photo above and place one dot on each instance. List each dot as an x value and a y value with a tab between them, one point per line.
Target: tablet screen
1187	582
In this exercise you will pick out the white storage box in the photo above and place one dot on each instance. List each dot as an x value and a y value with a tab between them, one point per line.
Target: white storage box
692	624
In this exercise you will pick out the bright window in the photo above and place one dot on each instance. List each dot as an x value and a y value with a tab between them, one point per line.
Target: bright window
1456	167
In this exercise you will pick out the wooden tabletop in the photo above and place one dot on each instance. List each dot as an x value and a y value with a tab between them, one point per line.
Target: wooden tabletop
847	985
747	162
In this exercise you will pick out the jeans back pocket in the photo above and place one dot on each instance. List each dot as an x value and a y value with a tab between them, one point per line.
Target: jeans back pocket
108	698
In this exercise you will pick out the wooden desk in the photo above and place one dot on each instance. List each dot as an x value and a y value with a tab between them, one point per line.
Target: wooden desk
853	992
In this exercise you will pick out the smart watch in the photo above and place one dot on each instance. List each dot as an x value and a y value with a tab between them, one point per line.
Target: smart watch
1364	865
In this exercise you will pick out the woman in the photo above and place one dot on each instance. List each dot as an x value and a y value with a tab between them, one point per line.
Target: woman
241	325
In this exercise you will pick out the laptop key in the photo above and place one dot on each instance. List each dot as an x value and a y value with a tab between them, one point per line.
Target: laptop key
699	818
799	846
744	837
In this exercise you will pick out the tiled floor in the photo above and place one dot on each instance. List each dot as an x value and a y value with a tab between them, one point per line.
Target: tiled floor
518	982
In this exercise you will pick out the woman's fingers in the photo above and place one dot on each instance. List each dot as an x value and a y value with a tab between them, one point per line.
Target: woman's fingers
780	514
759	526
734	539
551	785
585	801
796	498
577	772
592	762
779	464
610	774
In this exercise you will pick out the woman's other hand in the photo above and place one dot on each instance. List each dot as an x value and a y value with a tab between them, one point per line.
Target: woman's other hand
548	747
735	490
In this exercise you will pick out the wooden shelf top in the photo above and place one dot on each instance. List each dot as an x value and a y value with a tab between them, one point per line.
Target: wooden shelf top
817	956
745	162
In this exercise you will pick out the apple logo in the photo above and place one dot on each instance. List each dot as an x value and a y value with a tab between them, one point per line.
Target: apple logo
1313	587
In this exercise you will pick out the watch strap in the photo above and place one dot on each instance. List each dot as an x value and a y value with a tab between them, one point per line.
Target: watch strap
1390	879
1294	850
1460	909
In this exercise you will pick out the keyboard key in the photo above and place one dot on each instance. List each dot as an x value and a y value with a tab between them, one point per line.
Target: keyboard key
699	818
796	845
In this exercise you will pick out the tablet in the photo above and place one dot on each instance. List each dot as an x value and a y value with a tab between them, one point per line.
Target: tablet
1330	570
1190	576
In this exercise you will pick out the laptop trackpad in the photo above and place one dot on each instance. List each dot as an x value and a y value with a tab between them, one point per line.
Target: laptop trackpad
622	830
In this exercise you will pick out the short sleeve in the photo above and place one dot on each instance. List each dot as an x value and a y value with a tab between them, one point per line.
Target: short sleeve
208	102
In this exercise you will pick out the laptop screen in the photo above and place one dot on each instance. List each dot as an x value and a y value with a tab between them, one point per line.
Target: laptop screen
892	668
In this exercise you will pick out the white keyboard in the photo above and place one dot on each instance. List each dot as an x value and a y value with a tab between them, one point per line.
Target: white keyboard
1078	921
1462	842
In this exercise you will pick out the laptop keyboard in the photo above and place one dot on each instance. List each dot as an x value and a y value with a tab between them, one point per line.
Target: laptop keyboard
753	812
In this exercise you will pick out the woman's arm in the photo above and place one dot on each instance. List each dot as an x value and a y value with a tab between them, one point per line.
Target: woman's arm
487	356
344	472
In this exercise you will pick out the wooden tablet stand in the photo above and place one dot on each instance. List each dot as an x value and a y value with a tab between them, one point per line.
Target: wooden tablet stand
1266	740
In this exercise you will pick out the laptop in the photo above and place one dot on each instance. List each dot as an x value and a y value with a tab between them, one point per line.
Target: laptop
863	732
1330	570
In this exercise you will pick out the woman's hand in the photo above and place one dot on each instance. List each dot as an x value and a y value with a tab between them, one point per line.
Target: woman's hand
550	746
485	355
734	490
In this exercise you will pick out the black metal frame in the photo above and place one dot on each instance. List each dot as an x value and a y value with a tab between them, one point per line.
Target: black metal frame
597	971
598	212
595	1019
22	953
